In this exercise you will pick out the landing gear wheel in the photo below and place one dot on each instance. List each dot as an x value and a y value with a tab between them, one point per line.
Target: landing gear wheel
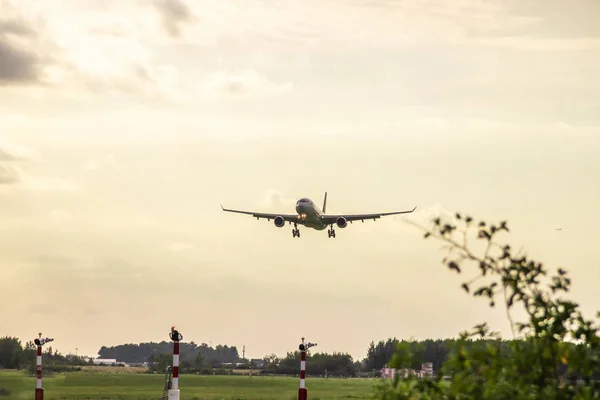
295	232
331	233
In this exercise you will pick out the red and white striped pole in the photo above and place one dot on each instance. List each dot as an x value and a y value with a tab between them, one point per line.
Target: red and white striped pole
303	392
176	337
39	342
39	391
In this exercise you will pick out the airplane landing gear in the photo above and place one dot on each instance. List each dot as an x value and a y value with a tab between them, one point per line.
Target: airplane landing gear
295	231
331	232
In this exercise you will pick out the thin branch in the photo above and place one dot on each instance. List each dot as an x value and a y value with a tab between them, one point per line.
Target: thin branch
510	320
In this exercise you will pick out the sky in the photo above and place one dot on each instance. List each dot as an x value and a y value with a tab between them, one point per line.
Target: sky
124	126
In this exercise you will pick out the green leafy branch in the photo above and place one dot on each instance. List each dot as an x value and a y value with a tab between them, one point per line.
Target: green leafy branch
557	353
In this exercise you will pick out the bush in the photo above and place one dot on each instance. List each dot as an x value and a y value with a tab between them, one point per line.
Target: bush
554	354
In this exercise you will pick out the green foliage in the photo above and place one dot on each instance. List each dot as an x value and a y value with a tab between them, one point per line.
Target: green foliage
429	350
318	364
15	356
139	353
10	352
553	355
160	362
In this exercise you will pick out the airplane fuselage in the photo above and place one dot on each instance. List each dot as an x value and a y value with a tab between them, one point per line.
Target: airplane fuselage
310	214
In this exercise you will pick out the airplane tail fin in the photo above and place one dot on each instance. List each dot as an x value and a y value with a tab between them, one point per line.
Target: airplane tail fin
325	203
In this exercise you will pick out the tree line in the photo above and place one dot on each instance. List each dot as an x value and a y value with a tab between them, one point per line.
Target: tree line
140	353
204	359
378	355
16	355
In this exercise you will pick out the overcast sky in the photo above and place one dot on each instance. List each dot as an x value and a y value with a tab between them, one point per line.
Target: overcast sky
125	124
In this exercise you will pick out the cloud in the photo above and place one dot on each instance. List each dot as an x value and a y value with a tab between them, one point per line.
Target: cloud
9	175
528	43
84	49
177	247
15	153
81	272
264	289
46	184
91	311
534	24
19	64
554	18
42	308
173	14
247	82
86	277
11	122
107	162
59	217
275	199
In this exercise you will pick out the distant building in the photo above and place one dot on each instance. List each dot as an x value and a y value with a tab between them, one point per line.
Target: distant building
108	362
425	371
387	372
138	364
104	361
257	363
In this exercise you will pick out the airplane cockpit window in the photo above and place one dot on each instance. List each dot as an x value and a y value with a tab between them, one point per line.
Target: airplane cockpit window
304	200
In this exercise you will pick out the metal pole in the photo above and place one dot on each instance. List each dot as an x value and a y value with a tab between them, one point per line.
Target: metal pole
303	392
176	337
39	342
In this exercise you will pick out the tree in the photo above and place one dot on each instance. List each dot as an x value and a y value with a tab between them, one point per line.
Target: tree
159	362
554	354
199	361
10	352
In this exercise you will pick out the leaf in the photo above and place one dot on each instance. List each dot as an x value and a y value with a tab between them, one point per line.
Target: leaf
465	287
484	234
454	266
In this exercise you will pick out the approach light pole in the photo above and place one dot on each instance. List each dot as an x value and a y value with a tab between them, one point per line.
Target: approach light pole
176	337
39	342
303	392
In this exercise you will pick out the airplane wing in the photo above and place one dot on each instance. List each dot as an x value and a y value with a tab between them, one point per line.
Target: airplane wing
287	217
331	218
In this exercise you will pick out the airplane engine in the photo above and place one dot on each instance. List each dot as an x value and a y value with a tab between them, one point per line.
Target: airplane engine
279	221
341	222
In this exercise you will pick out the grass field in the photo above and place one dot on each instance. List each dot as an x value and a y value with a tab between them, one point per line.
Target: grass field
107	385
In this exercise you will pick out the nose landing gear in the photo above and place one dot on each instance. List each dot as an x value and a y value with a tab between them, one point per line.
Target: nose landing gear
331	232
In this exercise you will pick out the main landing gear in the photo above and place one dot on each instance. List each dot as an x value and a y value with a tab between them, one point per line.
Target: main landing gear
295	231
331	232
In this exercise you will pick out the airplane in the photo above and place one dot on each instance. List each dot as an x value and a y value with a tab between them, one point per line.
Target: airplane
310	215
